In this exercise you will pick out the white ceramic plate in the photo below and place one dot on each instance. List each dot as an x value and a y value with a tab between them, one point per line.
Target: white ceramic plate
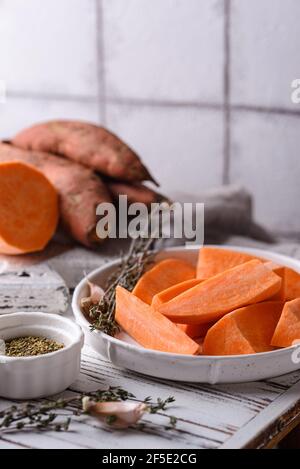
126	353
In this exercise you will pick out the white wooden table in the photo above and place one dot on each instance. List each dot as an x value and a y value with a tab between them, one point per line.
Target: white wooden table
221	416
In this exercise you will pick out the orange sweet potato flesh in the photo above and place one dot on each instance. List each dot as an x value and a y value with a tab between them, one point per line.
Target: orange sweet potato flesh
212	261
245	330
244	284
87	144
28	209
287	332
291	284
162	276
174	290
148	327
79	189
280	271
196	330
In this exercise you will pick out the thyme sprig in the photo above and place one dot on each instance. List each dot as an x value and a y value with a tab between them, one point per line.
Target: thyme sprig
131	268
57	415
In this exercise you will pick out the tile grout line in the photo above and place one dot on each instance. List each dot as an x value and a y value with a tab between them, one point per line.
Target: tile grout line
227	85
238	107
100	51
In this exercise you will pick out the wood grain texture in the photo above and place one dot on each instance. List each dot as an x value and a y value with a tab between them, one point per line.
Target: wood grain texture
208	416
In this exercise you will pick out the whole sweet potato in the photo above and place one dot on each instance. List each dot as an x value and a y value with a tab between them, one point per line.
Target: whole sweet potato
135	192
87	144
79	189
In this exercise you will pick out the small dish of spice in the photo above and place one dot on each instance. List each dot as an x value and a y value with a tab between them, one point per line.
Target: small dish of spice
30	346
39	354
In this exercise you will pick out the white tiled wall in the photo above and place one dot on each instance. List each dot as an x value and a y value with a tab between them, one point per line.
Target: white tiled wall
200	88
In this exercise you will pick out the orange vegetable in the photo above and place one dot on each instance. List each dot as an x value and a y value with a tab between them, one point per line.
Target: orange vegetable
280	271
196	330
136	192
148	327
87	144
171	292
162	276
28	209
245	330
244	284
79	189
287	331
291	284
212	261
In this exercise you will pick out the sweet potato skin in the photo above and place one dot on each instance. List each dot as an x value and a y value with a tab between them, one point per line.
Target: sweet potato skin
136	193
87	144
79	189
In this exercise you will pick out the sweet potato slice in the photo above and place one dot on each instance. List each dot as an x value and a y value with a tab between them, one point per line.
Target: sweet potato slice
280	271
196	330
245	330
87	144
244	284
287	331
162	276
171	292
291	284
148	327
212	261
28	209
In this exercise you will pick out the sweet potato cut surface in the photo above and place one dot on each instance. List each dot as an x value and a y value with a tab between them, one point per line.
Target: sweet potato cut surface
244	284
213	261
28	209
79	189
148	327
287	331
171	292
280	271
195	330
162	276
245	330
291	284
87	144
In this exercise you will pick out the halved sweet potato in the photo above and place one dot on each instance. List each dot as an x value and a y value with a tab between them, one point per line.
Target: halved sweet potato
245	330
162	276
212	261
287	331
150	328
244	284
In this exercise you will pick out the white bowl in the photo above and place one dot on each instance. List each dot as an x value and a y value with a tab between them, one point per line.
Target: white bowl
126	353
41	375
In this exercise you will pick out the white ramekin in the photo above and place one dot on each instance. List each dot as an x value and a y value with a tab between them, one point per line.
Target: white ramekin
41	375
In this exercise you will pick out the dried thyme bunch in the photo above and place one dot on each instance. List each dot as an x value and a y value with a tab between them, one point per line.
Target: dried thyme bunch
132	267
57	415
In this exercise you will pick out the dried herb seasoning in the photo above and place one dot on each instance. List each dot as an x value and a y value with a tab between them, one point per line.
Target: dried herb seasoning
30	346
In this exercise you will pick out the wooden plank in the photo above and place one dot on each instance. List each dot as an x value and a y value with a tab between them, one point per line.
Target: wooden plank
32	288
268	423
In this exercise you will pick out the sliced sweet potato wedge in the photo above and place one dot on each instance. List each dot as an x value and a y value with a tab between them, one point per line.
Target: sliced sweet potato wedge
244	284
148	327
163	275
291	284
212	261
245	330
171	292
287	332
196	330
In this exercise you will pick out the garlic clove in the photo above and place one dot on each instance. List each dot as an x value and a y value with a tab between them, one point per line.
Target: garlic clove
124	413
96	292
